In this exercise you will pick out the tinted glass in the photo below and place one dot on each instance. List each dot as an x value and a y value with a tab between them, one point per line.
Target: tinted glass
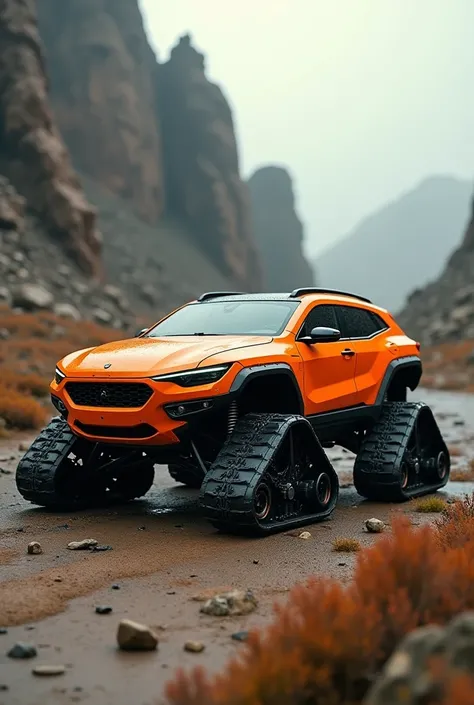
228	318
320	316
357	322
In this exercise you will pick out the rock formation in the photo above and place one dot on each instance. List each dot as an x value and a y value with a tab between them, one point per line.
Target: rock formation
103	83
278	230
401	246
203	183
32	153
444	310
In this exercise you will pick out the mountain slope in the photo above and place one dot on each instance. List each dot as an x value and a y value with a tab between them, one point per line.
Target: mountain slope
444	309
402	246
278	230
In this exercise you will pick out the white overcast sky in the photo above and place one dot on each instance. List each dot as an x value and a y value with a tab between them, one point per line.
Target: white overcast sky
360	99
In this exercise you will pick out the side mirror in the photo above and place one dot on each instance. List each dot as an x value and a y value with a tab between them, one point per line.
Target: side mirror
140	332
322	335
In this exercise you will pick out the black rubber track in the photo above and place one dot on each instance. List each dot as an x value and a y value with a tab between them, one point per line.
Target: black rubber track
186	474
227	492
40	479
386	452
36	471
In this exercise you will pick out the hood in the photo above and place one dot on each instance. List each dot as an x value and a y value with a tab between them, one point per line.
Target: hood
144	357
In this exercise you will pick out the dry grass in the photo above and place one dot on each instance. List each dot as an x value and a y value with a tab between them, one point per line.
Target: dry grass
28	358
346	545
430	505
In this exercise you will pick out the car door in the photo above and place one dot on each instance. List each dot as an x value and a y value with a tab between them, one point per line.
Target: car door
329	374
366	333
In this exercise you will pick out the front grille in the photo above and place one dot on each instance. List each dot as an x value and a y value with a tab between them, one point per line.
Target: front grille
143	430
130	395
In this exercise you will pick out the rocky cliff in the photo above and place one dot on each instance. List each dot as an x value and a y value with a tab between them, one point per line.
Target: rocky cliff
103	87
278	230
444	309
32	153
202	178
161	137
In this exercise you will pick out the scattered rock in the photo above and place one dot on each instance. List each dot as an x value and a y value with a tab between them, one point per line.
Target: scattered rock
4	471
132	636
115	586
240	636
58	580
304	535
23	447
102	316
46	670
22	650
82	545
34	548
235	602
374	526
32	297
407	678
194	647
3	630
103	609
4	332
65	310
104	547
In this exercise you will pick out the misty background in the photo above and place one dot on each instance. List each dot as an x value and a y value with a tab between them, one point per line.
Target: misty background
361	100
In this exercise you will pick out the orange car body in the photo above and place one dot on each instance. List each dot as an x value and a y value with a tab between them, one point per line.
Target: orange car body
344	375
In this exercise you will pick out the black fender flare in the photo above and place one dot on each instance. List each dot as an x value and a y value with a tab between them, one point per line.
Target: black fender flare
248	374
410	363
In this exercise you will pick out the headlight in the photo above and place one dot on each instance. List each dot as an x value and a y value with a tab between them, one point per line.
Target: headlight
58	375
194	378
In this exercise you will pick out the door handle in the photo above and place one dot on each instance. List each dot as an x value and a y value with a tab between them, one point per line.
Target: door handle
347	352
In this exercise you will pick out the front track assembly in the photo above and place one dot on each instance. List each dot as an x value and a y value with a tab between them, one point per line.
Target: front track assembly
403	456
61	471
271	475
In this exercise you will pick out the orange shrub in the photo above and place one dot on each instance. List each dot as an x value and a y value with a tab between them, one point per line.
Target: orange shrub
456	525
20	411
328	641
28	358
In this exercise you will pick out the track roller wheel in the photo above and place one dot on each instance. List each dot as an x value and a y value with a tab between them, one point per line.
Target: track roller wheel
271	475
403	456
63	472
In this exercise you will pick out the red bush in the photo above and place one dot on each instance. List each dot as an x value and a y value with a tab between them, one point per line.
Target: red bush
327	641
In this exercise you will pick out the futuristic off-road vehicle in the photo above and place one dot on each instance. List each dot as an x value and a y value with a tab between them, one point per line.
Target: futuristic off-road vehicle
238	394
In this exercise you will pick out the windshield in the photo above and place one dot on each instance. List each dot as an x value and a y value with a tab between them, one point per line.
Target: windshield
227	318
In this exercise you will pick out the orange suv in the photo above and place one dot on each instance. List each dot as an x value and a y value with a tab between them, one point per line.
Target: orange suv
239	394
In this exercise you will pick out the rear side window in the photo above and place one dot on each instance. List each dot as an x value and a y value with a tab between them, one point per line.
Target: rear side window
357	322
320	316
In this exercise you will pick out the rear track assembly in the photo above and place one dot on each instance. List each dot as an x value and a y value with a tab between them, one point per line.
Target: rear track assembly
271	475
403	456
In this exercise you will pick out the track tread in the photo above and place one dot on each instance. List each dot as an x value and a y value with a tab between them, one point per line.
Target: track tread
35	474
377	466
227	490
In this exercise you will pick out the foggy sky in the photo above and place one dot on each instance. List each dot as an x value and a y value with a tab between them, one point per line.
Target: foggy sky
360	99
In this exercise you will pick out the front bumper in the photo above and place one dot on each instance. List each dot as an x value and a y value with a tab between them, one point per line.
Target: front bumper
159	421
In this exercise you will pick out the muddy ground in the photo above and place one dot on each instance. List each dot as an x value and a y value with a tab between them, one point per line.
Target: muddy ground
163	554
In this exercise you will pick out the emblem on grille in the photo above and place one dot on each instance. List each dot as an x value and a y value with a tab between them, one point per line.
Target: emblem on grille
107	365
104	395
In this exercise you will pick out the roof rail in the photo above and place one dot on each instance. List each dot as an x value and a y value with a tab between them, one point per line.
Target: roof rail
215	294
317	290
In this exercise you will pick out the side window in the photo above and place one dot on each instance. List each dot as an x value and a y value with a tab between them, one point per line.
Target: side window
322	315
358	322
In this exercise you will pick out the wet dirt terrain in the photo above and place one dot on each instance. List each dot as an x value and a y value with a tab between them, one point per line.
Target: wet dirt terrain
163	553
